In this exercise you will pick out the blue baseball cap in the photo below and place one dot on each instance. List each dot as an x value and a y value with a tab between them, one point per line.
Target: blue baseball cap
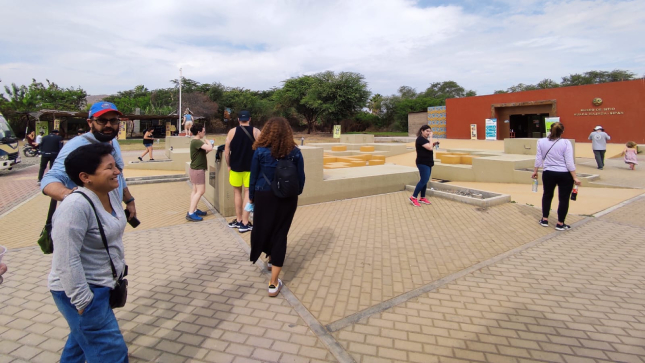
244	115
102	107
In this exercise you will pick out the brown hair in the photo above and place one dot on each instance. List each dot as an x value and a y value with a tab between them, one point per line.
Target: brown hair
556	131
422	129
631	144
277	136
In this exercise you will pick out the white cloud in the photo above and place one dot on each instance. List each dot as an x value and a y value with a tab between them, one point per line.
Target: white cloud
109	46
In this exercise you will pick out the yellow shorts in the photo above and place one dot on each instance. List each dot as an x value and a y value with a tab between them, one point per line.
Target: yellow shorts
237	178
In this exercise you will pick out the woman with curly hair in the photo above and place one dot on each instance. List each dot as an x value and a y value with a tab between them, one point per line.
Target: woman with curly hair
273	215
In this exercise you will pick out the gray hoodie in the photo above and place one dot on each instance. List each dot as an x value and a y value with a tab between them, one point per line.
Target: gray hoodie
599	140
80	258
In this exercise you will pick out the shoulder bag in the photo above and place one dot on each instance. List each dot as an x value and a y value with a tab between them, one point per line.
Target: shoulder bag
119	294
45	240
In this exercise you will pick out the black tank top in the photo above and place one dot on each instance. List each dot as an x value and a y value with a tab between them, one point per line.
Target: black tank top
242	149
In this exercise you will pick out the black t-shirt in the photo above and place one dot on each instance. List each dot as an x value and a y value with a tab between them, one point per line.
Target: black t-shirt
424	156
51	144
242	149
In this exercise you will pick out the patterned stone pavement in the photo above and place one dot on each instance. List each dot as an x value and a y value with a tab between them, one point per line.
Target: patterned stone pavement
17	186
367	280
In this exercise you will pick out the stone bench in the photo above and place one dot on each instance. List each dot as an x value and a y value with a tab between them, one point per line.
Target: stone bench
367	149
467	159
339	148
376	162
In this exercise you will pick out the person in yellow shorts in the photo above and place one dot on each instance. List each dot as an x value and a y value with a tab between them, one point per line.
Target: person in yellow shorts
238	152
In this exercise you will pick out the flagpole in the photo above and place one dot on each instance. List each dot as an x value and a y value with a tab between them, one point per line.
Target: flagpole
179	113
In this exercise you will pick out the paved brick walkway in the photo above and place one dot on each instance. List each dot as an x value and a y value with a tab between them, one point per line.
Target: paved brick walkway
577	297
346	256
368	280
158	205
16	186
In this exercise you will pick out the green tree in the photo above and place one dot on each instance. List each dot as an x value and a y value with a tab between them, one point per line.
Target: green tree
375	104
596	77
326	94
447	89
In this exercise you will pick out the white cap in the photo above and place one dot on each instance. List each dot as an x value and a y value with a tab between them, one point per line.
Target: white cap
598	128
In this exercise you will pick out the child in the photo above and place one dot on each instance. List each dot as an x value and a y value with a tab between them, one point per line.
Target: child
630	154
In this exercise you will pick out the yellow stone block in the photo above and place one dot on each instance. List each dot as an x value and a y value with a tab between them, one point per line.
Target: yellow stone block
467	159
358	163
376	162
336	165
367	149
329	159
377	157
339	148
365	157
451	159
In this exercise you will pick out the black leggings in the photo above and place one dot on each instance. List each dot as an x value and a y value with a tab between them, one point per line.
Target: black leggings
564	181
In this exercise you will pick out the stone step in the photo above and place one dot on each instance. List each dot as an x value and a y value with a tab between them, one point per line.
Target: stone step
156	179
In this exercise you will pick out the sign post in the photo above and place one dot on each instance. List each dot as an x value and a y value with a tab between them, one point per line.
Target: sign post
123	130
491	129
548	121
336	131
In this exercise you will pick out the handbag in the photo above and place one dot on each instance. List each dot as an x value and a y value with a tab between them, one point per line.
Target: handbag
119	294
45	240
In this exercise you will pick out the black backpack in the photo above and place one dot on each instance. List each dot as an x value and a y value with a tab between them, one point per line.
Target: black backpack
286	183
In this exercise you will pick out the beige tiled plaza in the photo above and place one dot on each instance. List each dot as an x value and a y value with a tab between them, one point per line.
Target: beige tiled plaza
367	280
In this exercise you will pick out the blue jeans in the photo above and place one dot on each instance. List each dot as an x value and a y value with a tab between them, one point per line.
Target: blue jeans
95	335
424	173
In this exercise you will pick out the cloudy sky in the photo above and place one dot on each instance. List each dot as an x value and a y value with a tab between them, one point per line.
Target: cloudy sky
107	46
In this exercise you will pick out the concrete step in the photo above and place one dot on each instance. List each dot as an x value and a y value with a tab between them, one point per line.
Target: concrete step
156	179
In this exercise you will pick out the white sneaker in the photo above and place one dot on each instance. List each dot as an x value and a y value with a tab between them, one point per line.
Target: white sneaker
275	290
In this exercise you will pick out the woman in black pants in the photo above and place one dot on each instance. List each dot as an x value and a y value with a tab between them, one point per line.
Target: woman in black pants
556	157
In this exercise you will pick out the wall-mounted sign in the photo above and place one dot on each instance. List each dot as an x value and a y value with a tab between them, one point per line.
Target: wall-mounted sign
491	129
597	101
600	111
473	131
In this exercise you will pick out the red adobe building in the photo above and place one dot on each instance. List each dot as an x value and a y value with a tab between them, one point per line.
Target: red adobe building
618	106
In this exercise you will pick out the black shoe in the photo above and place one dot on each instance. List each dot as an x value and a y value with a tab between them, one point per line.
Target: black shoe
140	158
245	228
235	224
562	227
544	223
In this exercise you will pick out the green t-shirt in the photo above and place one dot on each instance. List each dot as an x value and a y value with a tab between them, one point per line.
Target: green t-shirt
197	155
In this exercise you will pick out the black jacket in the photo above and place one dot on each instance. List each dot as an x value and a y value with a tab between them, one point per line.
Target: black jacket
51	144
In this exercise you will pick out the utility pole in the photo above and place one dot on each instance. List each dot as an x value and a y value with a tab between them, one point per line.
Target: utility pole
179	113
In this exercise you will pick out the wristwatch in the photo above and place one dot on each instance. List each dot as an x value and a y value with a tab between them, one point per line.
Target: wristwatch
129	201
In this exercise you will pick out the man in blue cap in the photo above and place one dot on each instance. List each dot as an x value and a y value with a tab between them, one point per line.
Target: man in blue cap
103	120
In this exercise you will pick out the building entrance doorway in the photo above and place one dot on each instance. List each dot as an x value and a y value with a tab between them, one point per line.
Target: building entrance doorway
528	125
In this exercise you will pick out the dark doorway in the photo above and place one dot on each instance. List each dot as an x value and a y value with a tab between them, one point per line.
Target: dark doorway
528	125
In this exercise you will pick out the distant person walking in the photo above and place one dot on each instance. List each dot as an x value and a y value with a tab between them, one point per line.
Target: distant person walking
80	132
199	147
238	151
148	141
273	215
599	145
188	122
555	155
425	162
50	146
630	154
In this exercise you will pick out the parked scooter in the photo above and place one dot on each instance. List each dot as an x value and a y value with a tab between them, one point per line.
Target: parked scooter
30	151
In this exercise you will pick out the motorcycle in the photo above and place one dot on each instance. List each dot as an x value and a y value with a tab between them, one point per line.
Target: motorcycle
30	151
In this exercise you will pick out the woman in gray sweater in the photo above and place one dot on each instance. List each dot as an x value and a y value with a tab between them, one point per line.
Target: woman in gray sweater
81	276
